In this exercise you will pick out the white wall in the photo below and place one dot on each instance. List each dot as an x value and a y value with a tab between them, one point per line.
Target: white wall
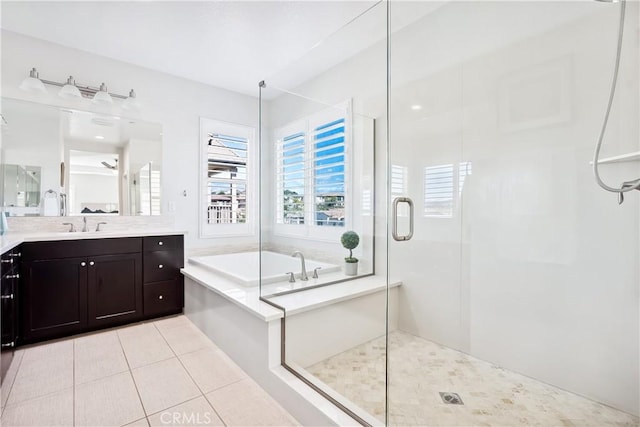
537	267
174	102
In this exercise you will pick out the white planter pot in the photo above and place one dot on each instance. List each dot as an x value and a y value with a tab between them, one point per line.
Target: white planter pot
351	268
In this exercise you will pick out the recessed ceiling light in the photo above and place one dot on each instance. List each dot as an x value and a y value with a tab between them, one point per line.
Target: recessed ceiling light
99	137
416	107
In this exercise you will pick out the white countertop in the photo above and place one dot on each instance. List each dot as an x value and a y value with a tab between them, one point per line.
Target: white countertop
10	240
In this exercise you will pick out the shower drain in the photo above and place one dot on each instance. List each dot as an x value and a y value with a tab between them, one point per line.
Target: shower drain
451	398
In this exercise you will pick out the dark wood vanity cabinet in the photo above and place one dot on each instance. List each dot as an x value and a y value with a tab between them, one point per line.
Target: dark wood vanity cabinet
79	285
163	282
54	297
10	276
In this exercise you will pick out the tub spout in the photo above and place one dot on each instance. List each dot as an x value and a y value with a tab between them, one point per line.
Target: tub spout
303	272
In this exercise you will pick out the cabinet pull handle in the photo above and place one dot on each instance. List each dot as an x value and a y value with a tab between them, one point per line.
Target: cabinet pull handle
160	266
15	255
91	263
160	297
8	345
13	276
7	261
160	243
82	264
10	296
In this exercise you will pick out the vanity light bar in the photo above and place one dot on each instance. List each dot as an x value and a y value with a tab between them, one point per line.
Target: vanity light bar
70	89
86	91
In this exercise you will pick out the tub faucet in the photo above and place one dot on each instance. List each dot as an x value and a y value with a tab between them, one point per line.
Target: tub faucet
303	272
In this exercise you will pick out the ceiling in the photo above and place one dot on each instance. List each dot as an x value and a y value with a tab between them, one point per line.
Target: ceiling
229	44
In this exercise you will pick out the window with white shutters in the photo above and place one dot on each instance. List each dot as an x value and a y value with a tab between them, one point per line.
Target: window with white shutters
329	173
438	191
312	173
291	178
226	162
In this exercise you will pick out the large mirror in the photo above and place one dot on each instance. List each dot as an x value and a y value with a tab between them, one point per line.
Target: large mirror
60	161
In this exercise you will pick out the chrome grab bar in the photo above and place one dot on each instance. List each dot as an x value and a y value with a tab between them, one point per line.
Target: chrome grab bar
394	231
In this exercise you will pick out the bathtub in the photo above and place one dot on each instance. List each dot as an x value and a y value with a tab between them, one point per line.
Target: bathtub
243	269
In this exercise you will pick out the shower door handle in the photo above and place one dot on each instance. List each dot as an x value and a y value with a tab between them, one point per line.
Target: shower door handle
394	232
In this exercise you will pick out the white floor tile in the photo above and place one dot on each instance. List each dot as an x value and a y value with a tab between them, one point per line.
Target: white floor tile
211	369
172	322
98	356
7	382
163	385
52	410
144	345
185	338
108	401
138	423
244	403
196	412
45	369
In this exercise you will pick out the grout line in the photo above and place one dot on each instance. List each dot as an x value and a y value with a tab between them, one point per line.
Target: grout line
22	402
135	421
73	379
131	374
191	377
6	403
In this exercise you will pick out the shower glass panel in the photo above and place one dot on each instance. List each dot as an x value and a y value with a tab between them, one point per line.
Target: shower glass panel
519	295
323	173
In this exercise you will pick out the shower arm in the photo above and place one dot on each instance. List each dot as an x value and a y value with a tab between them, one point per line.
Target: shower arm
627	185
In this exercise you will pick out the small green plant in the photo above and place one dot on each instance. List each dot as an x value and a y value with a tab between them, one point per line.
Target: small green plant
350	240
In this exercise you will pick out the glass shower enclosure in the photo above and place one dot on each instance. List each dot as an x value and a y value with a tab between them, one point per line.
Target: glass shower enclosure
497	283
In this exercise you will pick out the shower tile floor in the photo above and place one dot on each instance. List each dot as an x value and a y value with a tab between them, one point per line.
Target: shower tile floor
420	369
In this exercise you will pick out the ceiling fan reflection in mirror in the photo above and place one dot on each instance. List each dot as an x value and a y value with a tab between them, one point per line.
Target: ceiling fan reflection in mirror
109	166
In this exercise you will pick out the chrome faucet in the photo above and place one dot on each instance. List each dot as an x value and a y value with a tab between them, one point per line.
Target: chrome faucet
84	224
303	273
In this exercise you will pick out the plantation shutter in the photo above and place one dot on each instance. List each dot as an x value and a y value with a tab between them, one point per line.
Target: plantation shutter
291	179
438	191
329	173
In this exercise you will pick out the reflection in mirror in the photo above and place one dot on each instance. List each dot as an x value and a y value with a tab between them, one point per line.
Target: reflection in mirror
110	164
21	189
93	183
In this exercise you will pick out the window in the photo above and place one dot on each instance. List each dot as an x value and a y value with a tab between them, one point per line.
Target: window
227	160
291	178
439	196
328	172
438	191
311	174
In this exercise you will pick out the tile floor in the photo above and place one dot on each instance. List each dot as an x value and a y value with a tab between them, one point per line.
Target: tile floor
420	369
159	373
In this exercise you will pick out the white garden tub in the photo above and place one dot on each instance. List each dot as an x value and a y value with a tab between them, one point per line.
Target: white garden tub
243	267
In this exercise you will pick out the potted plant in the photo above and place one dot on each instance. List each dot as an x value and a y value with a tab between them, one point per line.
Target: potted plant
350	240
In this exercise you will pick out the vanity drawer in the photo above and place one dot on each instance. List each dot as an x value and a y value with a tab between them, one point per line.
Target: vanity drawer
161	265
162	243
163	297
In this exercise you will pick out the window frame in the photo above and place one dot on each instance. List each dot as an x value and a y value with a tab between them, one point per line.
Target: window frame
247	228
310	230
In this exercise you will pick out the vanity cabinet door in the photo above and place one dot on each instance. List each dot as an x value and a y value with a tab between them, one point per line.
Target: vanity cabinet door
114	289
54	298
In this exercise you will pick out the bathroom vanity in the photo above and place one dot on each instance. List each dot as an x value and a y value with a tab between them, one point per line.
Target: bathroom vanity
58	287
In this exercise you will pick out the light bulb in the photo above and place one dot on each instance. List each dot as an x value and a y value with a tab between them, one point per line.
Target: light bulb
102	96
33	83
70	90
131	103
